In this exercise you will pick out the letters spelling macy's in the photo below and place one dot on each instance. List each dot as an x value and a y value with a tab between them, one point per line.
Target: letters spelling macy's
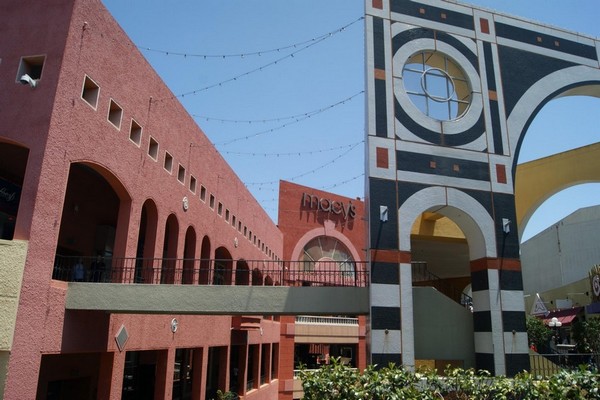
326	205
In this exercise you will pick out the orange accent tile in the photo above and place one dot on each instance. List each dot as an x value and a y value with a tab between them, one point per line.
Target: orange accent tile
456	168
500	173
506	264
556	43
421	10
485	25
432	164
539	39
493	95
444	16
382	157
379	74
378	4
390	256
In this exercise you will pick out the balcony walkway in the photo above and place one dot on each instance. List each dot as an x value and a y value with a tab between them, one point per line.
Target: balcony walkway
214	287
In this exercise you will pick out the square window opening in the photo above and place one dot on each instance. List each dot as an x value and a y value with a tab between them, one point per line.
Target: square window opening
192	184
135	133
115	113
211	202
31	66
181	174
90	92
202	193
168	165
153	149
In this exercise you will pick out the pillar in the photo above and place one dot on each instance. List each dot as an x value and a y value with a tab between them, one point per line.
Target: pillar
392	333
499	317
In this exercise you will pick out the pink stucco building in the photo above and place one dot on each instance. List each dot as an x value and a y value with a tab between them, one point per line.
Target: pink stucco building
96	163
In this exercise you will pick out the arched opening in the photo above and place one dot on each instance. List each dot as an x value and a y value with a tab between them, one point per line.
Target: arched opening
325	260
189	255
257	277
94	202
223	267
144	271
13	163
242	273
557	196
453	232
169	257
440	256
204	278
568	158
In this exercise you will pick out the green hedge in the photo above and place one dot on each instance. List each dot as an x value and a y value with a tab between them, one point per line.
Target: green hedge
336	381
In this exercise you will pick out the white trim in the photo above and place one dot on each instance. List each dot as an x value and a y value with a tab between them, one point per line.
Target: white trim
465	211
386	343
383	295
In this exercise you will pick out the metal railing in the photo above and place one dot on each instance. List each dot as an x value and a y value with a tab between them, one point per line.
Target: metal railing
209	272
545	365
420	274
315	320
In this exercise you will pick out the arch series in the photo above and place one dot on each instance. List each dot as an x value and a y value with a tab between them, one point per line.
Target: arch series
464	167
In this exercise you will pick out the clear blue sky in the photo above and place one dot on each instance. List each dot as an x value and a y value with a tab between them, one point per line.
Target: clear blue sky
320	85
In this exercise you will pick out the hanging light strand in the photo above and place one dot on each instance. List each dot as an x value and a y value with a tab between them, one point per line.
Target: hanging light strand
307	172
244	74
279	119
253	53
297	153
299	119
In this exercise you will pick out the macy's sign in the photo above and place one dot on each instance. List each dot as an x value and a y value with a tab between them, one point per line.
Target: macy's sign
326	205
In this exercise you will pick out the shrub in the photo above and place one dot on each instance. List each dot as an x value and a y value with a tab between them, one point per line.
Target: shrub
338	382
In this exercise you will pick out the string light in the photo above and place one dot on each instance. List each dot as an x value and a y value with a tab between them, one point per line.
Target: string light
251	121
273	199
308	172
244	74
253	135
235	78
297	153
254	53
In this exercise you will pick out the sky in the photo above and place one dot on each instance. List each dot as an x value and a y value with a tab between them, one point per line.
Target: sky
278	87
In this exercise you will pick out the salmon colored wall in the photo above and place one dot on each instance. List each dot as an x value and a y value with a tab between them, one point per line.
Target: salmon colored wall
295	220
60	129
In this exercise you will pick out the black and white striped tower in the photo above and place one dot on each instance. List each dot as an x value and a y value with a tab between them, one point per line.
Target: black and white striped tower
451	91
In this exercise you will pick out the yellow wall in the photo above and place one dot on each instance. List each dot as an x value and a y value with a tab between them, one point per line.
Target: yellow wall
12	264
538	180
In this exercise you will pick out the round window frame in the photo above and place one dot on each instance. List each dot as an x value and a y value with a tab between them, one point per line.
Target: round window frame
451	95
442	128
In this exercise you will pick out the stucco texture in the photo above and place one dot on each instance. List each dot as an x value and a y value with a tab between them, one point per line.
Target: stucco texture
12	264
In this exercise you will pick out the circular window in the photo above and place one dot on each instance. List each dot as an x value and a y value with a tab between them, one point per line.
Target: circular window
436	85
325	250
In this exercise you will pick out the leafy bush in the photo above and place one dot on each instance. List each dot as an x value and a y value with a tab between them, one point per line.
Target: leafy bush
339	382
587	335
537	332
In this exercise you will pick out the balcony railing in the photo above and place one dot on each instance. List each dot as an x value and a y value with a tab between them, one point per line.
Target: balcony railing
210	272
545	365
317	320
422	275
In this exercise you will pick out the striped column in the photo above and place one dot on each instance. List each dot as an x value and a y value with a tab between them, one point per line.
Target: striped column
391	336
501	345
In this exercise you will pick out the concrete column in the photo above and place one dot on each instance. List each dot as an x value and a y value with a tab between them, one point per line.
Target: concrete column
165	366
197	373
499	316
110	379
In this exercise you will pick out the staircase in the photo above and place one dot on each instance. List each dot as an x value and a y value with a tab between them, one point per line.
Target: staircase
421	276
